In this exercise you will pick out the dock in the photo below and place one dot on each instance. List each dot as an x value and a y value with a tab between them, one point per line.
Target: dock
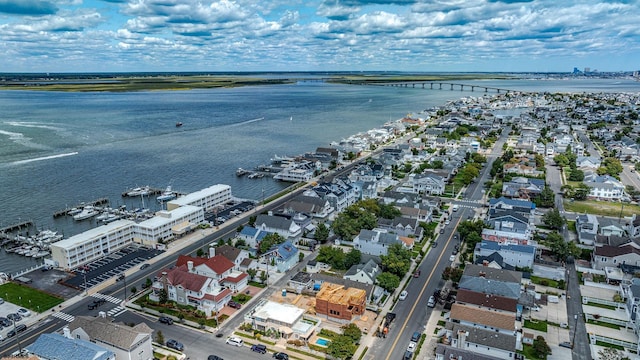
64	212
17	226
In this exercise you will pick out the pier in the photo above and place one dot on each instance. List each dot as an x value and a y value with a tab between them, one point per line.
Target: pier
64	212
17	226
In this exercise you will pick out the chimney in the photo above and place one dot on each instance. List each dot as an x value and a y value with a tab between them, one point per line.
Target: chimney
212	251
190	265
482	274
66	332
485	262
165	283
462	339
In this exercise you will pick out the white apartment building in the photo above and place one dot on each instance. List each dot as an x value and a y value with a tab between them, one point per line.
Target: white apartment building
92	244
207	199
166	225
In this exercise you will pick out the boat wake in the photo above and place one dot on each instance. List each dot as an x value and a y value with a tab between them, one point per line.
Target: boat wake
20	162
248	122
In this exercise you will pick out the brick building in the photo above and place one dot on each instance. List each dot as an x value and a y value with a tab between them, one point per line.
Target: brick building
339	303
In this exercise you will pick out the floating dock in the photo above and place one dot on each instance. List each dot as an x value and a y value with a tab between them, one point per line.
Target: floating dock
64	212
17	226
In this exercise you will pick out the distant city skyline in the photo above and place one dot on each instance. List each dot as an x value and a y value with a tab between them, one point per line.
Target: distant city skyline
319	35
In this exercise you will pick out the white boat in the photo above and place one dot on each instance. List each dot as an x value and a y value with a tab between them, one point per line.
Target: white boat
167	195
138	191
103	216
74	211
86	213
41	253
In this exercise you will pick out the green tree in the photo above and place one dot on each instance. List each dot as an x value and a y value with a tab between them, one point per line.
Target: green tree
133	290
162	296
452	273
352	258
541	348
200	253
341	347
300	256
159	337
581	192
546	199
388	281
269	241
252	221
561	248
354	218
561	160
263	277
322	233
539	161
437	164
397	261
352	331
576	175
333	256
553	219
388	211
252	273
468	226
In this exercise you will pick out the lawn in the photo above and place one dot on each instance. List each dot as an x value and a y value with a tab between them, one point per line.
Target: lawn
29	298
605	324
605	208
537	325
528	352
544	281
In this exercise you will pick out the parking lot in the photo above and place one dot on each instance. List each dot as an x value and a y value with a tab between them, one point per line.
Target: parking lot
5	324
110	266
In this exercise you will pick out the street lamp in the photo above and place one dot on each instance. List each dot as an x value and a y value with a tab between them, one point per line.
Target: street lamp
17	336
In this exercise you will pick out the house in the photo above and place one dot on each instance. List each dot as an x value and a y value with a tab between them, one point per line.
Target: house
280	225
491	281
608	226
587	228
55	346
252	236
522	187
508	228
493	302
365	273
615	256
375	242
429	184
233	254
445	352
633	228
482	341
604	187
402	226
284	319
217	267
472	316
126	342
512	254
521	169
631	293
502	203
310	205
588	162
339	303
285	256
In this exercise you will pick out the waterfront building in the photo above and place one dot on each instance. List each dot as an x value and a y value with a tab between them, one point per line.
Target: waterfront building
208	198
92	244
167	225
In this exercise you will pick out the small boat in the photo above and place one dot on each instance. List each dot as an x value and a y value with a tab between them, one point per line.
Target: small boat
74	211
241	172
178	124
139	191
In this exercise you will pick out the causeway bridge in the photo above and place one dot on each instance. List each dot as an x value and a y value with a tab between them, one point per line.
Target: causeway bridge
443	85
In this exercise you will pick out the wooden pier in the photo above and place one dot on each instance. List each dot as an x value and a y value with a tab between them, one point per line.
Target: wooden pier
64	212
17	226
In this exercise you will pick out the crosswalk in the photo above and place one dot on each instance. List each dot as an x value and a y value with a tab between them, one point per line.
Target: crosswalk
63	316
118	310
108	298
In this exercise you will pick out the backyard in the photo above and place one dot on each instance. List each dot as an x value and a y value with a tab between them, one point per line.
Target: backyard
27	297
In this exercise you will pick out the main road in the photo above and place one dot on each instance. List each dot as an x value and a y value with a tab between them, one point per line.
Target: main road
412	314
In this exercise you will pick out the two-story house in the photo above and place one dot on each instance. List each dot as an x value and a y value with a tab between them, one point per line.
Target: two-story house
512	254
374	242
287	228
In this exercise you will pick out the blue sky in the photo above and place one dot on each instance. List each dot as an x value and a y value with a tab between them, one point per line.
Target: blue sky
318	35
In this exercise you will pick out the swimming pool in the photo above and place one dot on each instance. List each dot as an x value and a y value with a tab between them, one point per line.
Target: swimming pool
322	342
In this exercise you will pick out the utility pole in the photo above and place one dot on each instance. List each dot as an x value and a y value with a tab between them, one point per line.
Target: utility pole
124	277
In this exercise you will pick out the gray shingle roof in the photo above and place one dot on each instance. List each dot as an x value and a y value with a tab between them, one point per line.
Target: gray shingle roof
116	334
56	346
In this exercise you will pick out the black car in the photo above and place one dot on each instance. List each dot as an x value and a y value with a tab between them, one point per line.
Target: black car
234	304
5	322
259	348
18	329
120	277
14	317
174	344
165	320
144	266
281	356
214	357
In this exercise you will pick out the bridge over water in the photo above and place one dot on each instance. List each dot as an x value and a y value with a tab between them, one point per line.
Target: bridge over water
443	85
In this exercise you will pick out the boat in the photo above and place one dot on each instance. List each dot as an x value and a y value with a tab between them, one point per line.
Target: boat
256	175
103	216
87	212
41	253
139	191
178	124
74	211
167	195
241	172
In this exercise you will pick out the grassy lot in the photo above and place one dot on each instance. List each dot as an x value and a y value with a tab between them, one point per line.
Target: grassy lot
604	306
29	298
605	208
571	225
527	351
544	281
606	344
539	325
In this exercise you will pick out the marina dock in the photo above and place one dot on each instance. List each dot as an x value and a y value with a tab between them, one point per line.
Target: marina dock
64	212
17	226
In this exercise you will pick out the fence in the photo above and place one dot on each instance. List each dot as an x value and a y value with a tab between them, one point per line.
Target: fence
22	272
588	299
608	320
626	344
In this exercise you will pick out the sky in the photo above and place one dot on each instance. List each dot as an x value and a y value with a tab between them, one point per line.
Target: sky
319	35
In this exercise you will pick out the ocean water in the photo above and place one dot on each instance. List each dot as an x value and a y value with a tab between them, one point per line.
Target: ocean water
59	149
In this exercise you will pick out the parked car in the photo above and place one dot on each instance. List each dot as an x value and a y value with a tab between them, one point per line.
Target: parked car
14	317
416	336
5	322
19	328
235	341
174	344
417	273
120	277
281	356
214	357
165	320
407	355
144	266
442	231
403	295
411	347
566	344
432	301
435	244
259	348
452	258
234	304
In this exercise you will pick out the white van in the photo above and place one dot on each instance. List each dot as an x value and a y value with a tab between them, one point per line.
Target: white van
455	208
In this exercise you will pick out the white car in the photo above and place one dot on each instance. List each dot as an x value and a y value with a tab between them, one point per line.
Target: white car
235	341
24	312
432	302
412	347
452	258
403	295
